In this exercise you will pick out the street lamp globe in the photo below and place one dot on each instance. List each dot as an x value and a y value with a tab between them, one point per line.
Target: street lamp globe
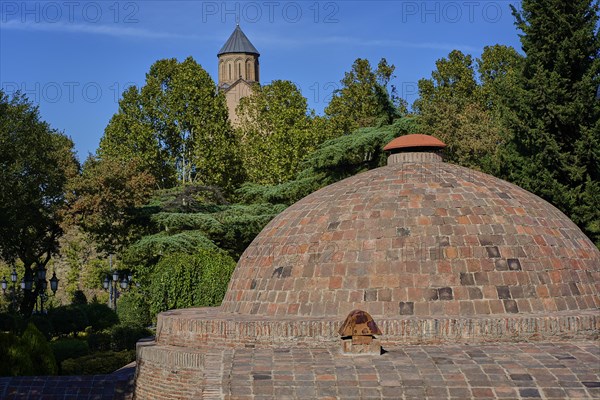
13	276
23	284
106	282
124	283
4	283
115	275
54	283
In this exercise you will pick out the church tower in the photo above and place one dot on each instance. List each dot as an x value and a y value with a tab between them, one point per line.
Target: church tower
238	70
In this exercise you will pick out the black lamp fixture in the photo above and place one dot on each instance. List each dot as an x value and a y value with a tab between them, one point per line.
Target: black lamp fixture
54	283
4	284
124	283
113	282
36	281
13	276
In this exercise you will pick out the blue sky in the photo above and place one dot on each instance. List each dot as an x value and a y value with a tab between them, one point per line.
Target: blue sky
74	58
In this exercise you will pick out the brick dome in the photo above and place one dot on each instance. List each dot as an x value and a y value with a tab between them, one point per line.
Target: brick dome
418	237
435	253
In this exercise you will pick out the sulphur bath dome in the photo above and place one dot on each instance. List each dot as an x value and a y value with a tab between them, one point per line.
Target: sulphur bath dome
433	252
419	237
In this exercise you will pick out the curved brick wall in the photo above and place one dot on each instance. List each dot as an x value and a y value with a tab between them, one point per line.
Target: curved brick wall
419	237
201	328
434	252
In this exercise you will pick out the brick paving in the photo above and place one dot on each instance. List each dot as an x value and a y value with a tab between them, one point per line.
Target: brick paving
117	386
560	370
507	371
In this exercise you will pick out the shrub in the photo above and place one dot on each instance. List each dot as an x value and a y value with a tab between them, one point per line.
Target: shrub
69	348
99	341
125	337
133	309
78	298
43	323
14	356
97	363
190	280
40	351
100	316
10	322
68	319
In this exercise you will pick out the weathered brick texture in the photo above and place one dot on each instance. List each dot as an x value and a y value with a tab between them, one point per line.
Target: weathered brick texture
436	253
419	237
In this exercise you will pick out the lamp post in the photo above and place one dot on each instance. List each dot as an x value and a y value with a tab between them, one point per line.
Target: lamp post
112	284
13	279
39	284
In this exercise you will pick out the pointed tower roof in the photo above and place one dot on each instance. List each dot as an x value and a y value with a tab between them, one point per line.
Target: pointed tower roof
238	42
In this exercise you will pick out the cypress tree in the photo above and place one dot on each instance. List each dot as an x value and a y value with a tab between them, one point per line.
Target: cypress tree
555	148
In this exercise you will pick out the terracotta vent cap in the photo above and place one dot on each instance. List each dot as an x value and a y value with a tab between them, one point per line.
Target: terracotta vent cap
415	140
359	323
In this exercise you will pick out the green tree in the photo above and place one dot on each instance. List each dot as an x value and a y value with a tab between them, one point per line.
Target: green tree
36	163
555	148
467	115
275	132
334	160
130	134
202	220
364	99
177	123
106	198
499	69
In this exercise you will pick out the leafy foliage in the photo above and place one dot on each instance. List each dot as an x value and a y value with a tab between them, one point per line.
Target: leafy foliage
42	357
334	160
10	322
15	357
69	348
190	218
99	316
35	165
465	114
68	319
275	132
97	363
555	147
177	123
124	337
78	298
43	324
133	309
106	199
150	248
190	280
364	99
99	341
